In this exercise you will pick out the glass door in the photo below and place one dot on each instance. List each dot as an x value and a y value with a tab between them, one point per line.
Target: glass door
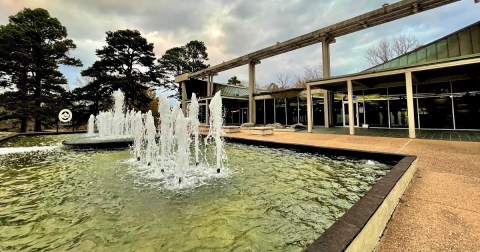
244	115
356	113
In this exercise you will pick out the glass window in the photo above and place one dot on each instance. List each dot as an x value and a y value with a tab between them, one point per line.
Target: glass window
466	96
201	112
337	108
398	111
259	112
434	89
435	106
291	104
376	107
269	111
435	111
318	111
303	110
280	111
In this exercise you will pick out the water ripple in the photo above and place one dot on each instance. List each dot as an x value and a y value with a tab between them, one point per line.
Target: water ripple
272	199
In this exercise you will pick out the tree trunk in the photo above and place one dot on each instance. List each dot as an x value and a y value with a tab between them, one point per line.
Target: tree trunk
38	122
23	125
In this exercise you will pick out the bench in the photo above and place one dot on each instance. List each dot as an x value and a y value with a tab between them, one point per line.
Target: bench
231	129
263	131
203	129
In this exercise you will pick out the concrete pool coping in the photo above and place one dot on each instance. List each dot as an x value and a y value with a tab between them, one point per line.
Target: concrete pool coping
361	227
44	133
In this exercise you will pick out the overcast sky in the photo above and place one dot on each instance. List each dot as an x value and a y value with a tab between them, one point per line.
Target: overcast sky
232	28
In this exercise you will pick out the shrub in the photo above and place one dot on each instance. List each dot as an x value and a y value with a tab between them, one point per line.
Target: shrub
247	125
275	125
298	126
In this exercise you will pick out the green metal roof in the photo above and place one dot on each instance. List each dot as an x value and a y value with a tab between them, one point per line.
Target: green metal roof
461	43
230	90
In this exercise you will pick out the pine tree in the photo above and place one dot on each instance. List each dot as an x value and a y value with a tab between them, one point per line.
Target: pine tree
32	46
126	63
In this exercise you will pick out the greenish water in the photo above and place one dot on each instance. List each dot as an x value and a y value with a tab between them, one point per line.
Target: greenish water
273	199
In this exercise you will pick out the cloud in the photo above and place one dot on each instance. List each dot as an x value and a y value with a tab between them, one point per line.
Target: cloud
232	28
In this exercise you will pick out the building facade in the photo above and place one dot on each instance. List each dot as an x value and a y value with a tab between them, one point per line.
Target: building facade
436	86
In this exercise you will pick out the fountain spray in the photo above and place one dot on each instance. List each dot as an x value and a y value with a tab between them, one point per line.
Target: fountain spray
194	123
216	122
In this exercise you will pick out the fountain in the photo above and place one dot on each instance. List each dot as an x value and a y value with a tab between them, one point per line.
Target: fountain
171	184
167	154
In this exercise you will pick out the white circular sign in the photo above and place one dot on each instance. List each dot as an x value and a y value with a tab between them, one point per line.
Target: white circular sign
65	115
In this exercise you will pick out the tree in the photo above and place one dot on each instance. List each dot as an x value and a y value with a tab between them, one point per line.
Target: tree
386	49
234	81
196	55
32	46
90	97
273	87
403	44
179	60
126	63
283	81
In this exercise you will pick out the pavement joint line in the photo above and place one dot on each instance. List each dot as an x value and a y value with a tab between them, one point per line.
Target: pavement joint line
409	140
442	204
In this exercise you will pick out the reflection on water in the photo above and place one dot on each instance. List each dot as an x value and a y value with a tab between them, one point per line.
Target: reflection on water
272	199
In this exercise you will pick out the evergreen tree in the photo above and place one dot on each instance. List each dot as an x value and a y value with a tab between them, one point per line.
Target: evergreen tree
32	46
234	81
126	63
179	60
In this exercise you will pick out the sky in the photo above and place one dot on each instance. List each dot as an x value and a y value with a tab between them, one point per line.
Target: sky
233	28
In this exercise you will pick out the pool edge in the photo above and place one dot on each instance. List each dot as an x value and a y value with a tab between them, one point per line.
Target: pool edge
362	226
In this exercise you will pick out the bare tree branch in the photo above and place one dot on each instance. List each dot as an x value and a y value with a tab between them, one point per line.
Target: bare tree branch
313	73
380	53
385	50
403	44
283	80
299	82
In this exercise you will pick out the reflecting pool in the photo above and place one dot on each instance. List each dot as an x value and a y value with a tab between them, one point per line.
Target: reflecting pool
272	199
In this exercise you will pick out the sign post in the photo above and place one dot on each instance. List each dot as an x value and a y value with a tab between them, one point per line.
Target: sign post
65	118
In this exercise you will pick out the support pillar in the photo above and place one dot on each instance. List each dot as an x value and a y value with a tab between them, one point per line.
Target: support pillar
326	74
326	108
184	98
207	113
309	109
410	109
209	85
326	57
209	94
251	91
351	119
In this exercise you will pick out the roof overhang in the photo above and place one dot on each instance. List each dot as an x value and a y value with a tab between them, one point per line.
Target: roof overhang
431	73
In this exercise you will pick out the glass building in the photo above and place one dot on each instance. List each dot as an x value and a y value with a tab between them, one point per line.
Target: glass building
436	86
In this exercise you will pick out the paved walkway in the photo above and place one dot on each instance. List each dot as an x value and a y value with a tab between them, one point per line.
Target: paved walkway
450	135
440	211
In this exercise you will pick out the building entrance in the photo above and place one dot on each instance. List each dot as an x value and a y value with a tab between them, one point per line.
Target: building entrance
358	113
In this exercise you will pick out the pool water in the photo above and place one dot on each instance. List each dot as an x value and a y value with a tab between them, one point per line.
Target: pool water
272	199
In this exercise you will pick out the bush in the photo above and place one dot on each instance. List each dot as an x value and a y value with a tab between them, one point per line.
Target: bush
275	125
298	126
247	125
